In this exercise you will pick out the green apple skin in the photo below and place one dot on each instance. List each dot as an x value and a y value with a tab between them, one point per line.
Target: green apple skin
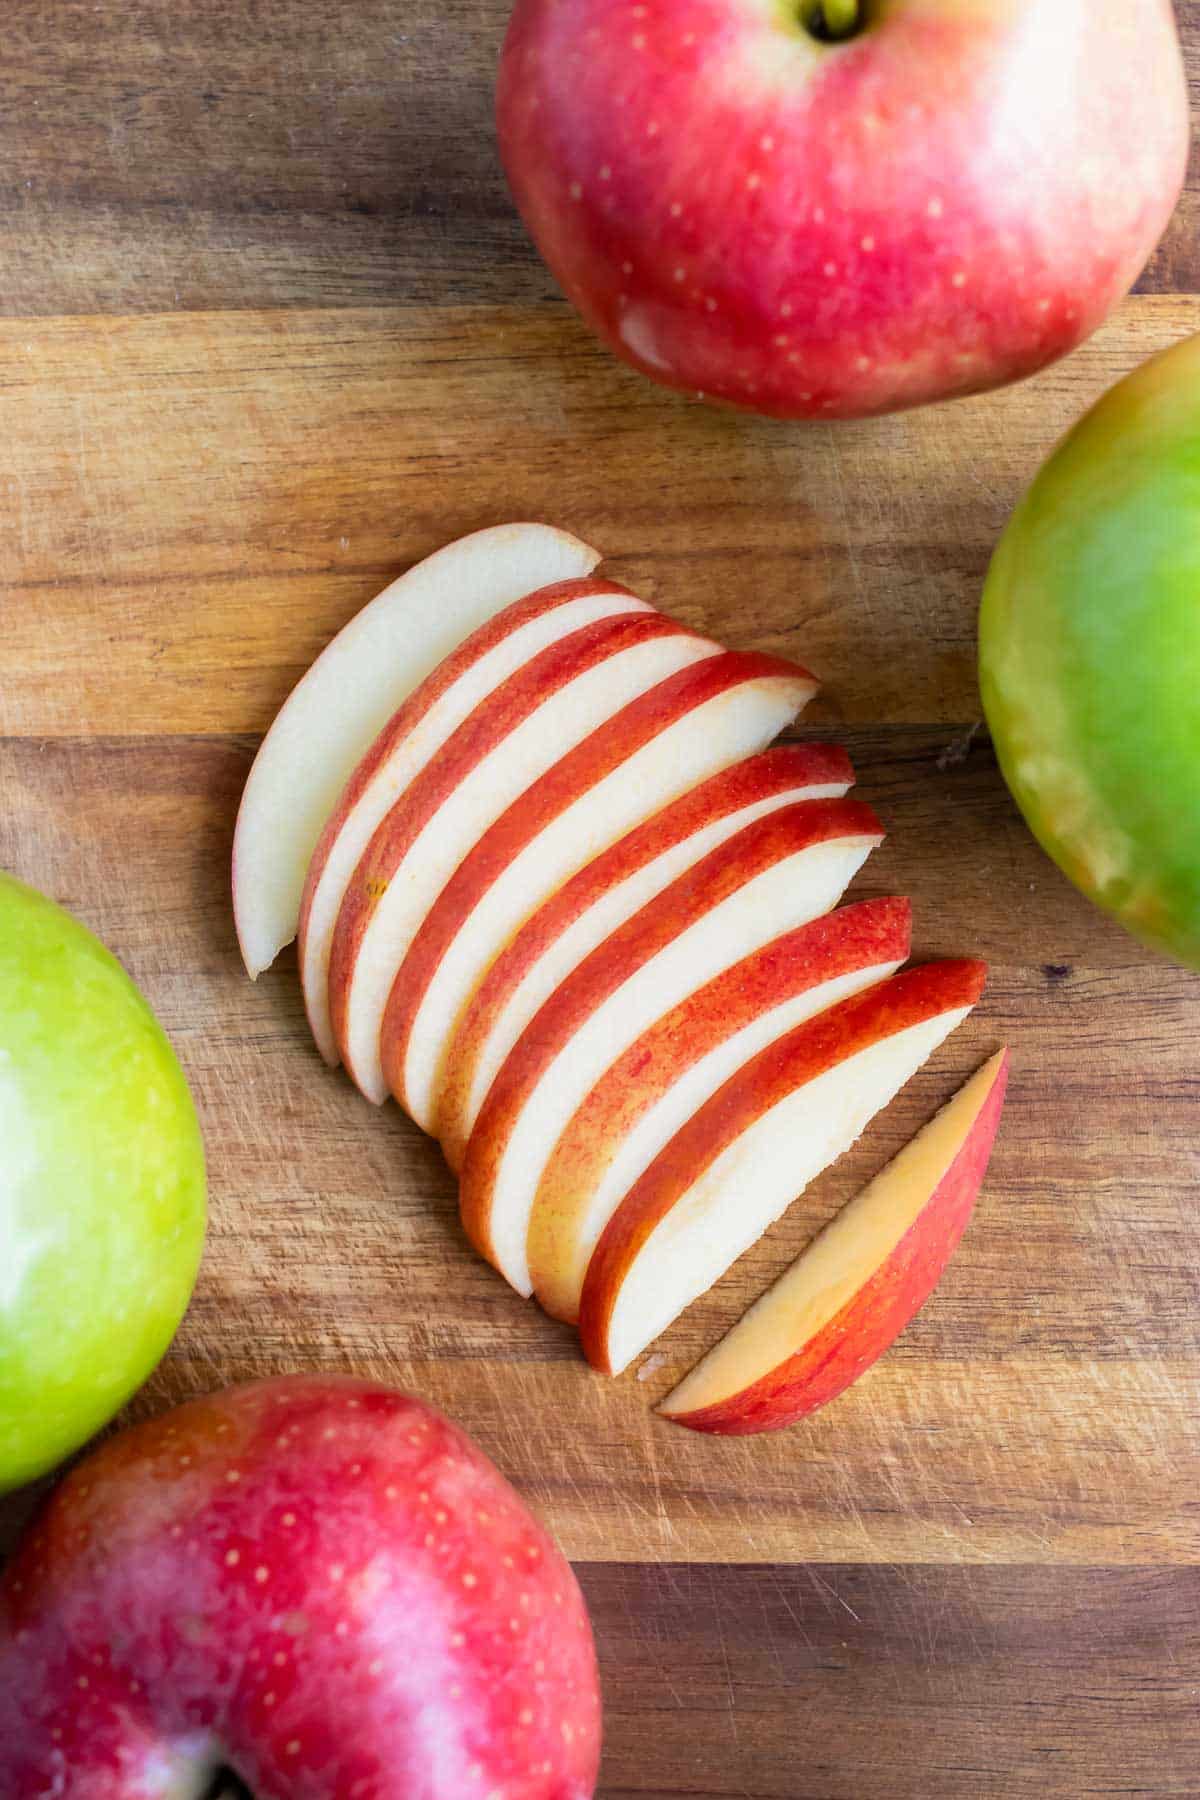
102	1187
1090	653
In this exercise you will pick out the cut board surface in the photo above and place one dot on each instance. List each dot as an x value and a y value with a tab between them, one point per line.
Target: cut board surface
269	332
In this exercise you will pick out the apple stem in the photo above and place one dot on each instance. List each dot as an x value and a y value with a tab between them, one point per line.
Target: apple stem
832	20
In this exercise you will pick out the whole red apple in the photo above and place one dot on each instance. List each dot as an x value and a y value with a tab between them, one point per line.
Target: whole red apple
945	197
316	1582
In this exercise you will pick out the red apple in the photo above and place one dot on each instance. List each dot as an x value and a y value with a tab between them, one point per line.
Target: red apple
317	1582
668	1073
744	1156
784	869
853	1291
695	722
948	197
601	897
511	738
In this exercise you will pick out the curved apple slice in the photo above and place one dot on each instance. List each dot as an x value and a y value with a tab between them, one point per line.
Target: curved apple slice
649	753
605	893
511	738
740	1161
778	872
338	706
411	738
852	1292
669	1073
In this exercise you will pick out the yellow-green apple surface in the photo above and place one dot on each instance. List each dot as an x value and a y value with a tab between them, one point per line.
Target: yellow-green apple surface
822	211
1089	645
853	1291
102	1191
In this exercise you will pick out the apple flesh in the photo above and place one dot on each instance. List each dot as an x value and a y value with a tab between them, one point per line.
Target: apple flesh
604	894
411	739
1089	653
781	871
651	1091
854	1290
738	1163
102	1191
317	1582
656	748
539	714
949	198
347	696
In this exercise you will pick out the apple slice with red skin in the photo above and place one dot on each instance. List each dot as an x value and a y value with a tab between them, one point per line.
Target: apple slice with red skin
409	741
602	896
511	738
692	724
780	871
850	1295
351	690
314	1580
651	1091
744	1156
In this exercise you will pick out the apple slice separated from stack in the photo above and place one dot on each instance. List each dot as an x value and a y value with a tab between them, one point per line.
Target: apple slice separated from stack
410	741
650	1092
782	870
852	1292
606	892
744	1156
349	693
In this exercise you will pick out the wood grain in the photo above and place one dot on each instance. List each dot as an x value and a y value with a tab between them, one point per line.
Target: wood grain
269	331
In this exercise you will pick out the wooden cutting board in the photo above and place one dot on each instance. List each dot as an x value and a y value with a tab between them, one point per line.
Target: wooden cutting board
269	333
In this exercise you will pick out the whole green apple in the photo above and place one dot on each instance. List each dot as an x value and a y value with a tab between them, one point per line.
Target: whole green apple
1090	653
102	1193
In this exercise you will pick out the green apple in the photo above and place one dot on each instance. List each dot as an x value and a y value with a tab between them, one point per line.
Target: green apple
1090	653
102	1193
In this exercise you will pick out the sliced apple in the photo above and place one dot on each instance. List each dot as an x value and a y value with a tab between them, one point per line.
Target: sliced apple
668	1073
778	872
511	738
653	750
853	1291
757	1143
411	738
602	896
348	694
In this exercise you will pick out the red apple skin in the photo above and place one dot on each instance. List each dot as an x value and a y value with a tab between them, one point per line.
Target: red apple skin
722	872
486	727
805	1053
771	772
872	1321
324	1574
581	768
945	202
868	934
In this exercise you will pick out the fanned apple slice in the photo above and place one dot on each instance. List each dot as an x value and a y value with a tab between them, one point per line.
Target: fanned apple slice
511	738
668	1074
348	694
741	1160
412	737
602	896
778	872
645	756
853	1291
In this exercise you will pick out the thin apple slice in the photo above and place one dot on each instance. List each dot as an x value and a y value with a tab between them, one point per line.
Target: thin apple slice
515	735
602	896
348	694
740	1161
652	751
668	1074
853	1291
778	872
411	738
